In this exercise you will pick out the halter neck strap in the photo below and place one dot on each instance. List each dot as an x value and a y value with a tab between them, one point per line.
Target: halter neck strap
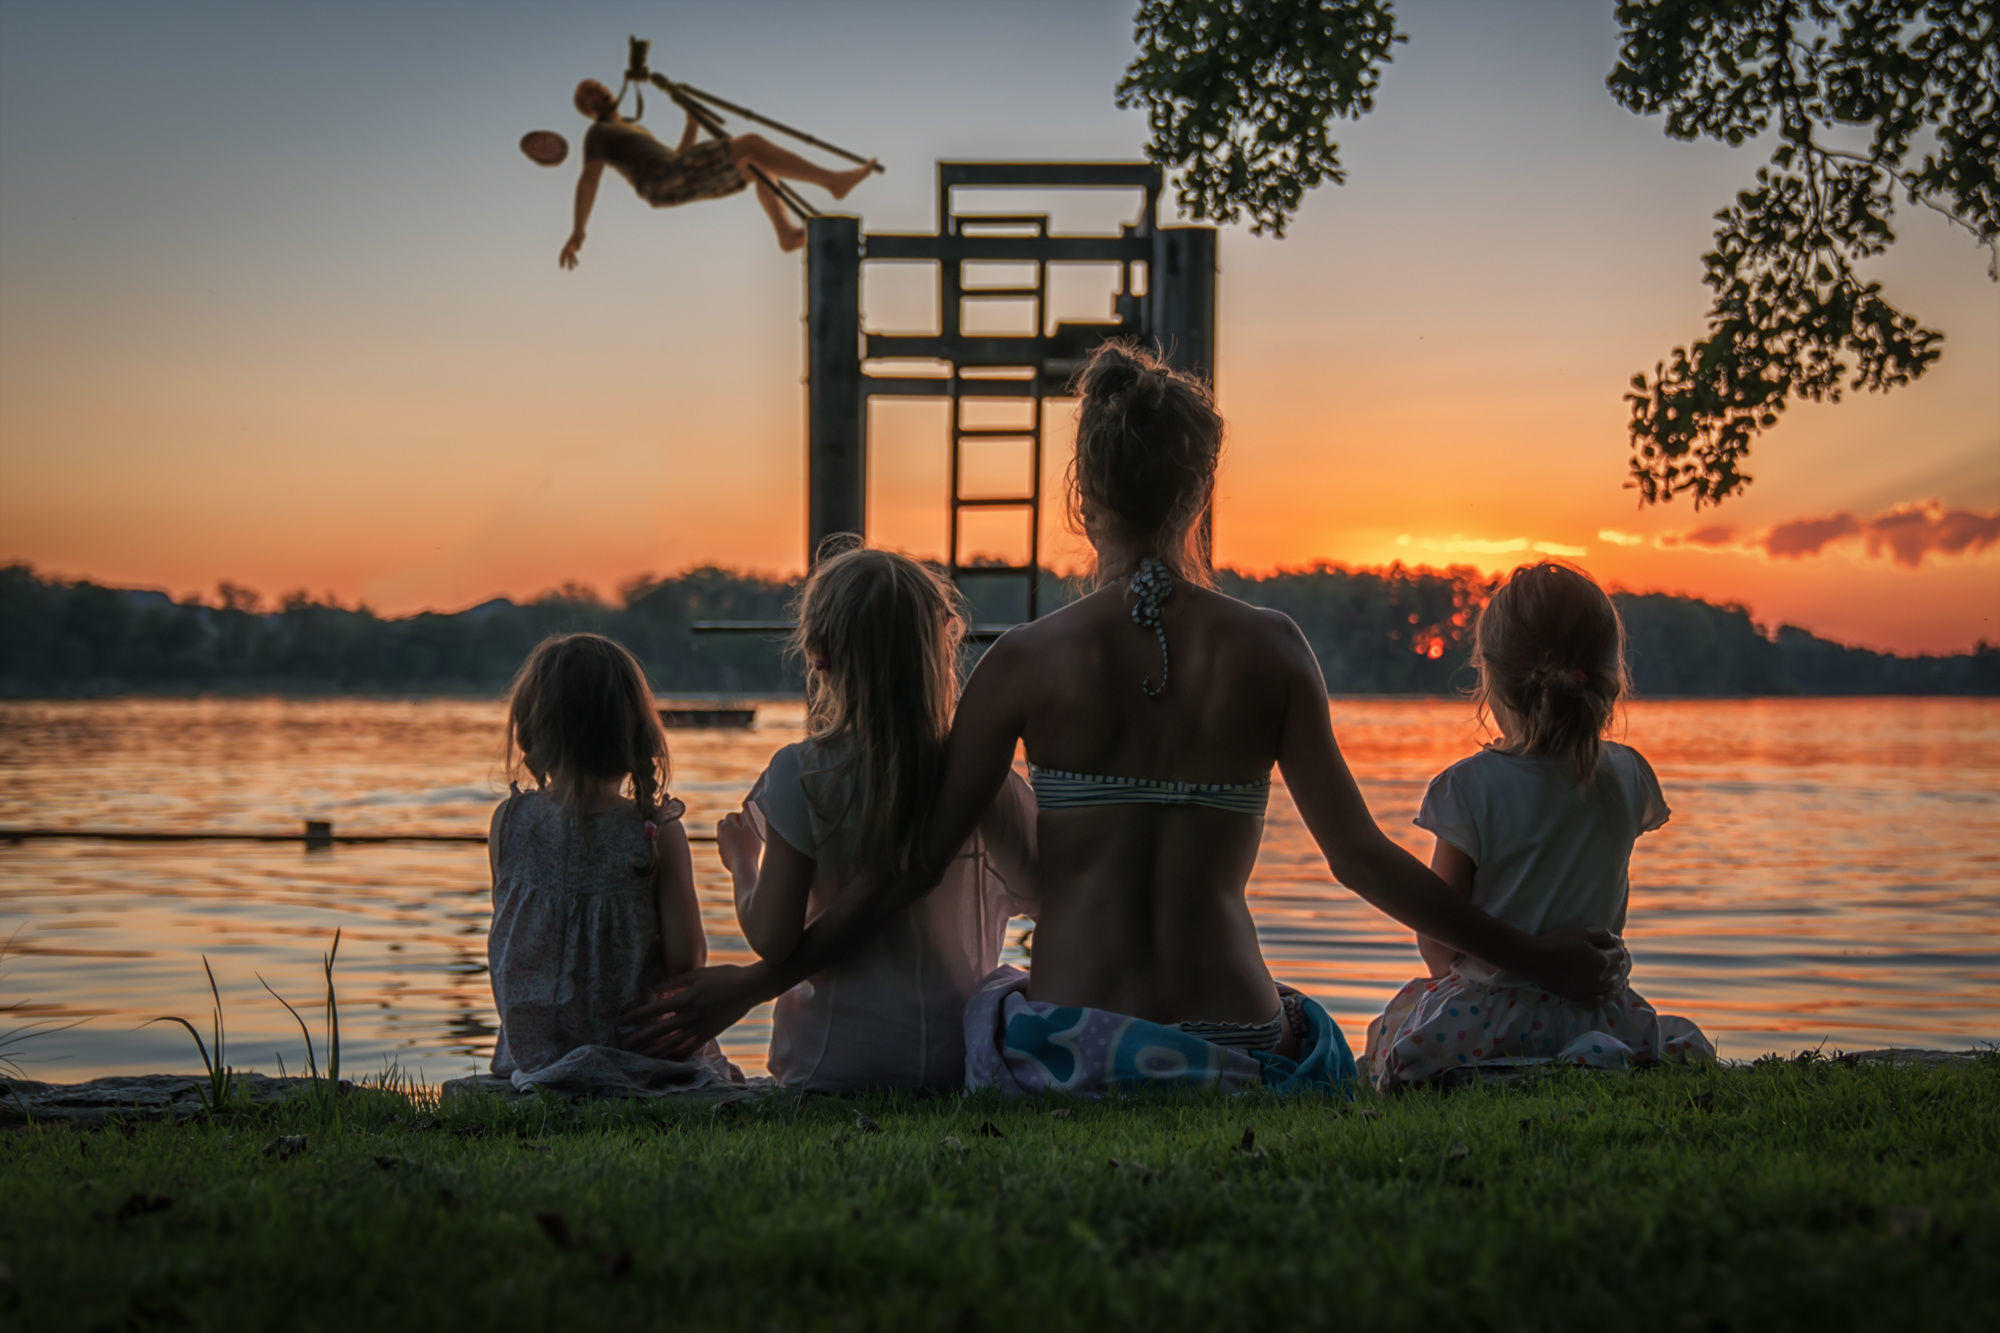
1151	585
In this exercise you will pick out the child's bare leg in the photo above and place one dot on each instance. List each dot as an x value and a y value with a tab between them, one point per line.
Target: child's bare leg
755	150
791	236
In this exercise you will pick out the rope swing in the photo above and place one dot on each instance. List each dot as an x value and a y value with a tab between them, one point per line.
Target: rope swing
708	109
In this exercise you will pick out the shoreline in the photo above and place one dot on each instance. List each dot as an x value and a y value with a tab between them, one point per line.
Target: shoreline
498	693
175	1098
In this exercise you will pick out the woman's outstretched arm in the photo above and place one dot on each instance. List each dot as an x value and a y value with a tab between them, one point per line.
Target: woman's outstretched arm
1577	964
1455	868
702	1004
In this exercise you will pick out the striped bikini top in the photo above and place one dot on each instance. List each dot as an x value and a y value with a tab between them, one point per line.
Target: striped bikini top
1059	789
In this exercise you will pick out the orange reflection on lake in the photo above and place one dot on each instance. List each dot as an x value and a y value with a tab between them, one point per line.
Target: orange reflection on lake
1831	874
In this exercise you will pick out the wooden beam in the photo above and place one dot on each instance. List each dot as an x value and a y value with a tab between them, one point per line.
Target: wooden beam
836	410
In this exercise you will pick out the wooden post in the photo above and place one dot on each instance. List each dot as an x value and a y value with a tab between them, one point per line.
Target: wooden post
836	411
1181	288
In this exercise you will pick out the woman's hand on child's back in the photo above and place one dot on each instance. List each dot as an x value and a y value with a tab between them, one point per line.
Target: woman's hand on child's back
1585	964
690	1009
738	844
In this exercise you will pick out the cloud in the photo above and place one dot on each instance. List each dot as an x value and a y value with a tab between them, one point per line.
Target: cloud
1907	534
1807	536
1617	538
1719	534
1911	532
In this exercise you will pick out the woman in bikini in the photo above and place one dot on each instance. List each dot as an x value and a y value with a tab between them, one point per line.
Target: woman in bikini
664	176
1153	711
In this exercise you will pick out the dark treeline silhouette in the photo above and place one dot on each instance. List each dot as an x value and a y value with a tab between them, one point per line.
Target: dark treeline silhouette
1393	631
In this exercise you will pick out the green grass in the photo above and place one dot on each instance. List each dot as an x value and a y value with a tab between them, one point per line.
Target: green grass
1789	1194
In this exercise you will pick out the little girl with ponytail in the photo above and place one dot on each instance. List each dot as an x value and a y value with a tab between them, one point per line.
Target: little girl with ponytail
1536	829
593	889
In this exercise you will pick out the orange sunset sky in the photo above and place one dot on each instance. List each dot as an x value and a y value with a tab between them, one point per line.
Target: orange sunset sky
279	304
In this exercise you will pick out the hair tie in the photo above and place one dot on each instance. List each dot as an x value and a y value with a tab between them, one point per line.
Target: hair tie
819	664
1577	680
652	830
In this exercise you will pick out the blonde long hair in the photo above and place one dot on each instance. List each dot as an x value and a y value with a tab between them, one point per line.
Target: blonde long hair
1550	650
580	711
879	634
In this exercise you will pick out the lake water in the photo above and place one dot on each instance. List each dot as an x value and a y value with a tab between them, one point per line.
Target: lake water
1831	875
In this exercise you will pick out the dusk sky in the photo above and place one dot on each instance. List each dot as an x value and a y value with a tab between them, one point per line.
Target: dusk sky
279	304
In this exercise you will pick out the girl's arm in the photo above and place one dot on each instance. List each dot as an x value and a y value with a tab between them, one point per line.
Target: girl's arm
689	134
977	761
681	936
586	199
1009	833
1575	963
1455	868
773	880
493	831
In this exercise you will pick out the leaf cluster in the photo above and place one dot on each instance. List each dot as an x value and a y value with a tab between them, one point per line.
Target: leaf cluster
1867	100
1240	95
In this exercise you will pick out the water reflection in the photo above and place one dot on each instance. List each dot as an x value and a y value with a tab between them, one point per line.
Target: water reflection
1832	871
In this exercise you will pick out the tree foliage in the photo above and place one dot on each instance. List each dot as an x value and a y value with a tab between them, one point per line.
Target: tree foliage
1394	631
1866	100
1863	102
1240	96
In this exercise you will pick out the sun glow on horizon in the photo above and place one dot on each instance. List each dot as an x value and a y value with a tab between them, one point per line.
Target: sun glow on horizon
292	352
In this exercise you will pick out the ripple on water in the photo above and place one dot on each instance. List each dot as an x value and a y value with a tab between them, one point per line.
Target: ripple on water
1831	874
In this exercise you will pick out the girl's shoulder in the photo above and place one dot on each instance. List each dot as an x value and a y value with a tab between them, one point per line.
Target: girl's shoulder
1626	753
1628	762
507	812
1484	766
1491	774
1638	784
805	791
803	763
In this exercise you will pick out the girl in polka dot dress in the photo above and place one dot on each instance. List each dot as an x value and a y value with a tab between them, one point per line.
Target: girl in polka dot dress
1537	829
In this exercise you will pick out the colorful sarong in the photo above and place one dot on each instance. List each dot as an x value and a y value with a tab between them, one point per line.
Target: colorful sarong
1024	1046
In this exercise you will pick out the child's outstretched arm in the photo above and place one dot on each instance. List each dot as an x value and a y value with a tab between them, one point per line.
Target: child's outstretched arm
673	886
977	760
1455	868
773	880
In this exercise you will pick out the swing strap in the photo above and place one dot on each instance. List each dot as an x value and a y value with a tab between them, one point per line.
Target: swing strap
708	120
711	100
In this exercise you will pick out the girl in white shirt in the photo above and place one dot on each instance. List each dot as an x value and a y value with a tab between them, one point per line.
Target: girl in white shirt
1536	829
879	634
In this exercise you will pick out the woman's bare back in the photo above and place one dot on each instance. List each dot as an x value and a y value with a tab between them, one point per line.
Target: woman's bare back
1143	908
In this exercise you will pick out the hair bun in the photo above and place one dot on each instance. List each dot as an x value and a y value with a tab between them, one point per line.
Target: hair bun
1113	371
1147	441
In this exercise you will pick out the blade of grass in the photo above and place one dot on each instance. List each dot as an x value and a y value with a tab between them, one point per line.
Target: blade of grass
312	1061
332	1018
219	1077
208	1066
